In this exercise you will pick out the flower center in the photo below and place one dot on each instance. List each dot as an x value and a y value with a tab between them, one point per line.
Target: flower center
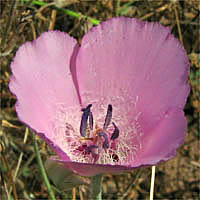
99	133
100	137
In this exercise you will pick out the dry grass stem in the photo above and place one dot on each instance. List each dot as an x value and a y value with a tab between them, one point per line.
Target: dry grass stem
53	19
10	176
74	193
21	155
152	182
178	25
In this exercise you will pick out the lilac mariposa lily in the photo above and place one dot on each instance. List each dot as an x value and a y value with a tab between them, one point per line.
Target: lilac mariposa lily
110	105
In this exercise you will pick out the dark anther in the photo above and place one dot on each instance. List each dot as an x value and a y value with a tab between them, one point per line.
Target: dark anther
108	117
115	134
82	147
115	157
90	148
91	121
84	119
87	108
106	142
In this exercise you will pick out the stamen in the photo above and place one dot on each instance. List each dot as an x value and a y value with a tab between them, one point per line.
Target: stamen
106	142
115	133
108	117
91	120
90	148
84	119
98	141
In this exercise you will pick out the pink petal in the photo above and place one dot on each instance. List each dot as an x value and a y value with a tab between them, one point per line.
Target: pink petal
138	67
42	81
85	169
161	143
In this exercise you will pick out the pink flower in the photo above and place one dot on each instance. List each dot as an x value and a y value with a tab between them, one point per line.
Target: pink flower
112	104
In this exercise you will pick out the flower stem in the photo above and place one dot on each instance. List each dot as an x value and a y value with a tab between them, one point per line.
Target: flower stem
96	184
43	172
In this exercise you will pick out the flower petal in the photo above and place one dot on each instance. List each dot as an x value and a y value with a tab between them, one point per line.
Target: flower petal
161	143
42	81
86	169
138	67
